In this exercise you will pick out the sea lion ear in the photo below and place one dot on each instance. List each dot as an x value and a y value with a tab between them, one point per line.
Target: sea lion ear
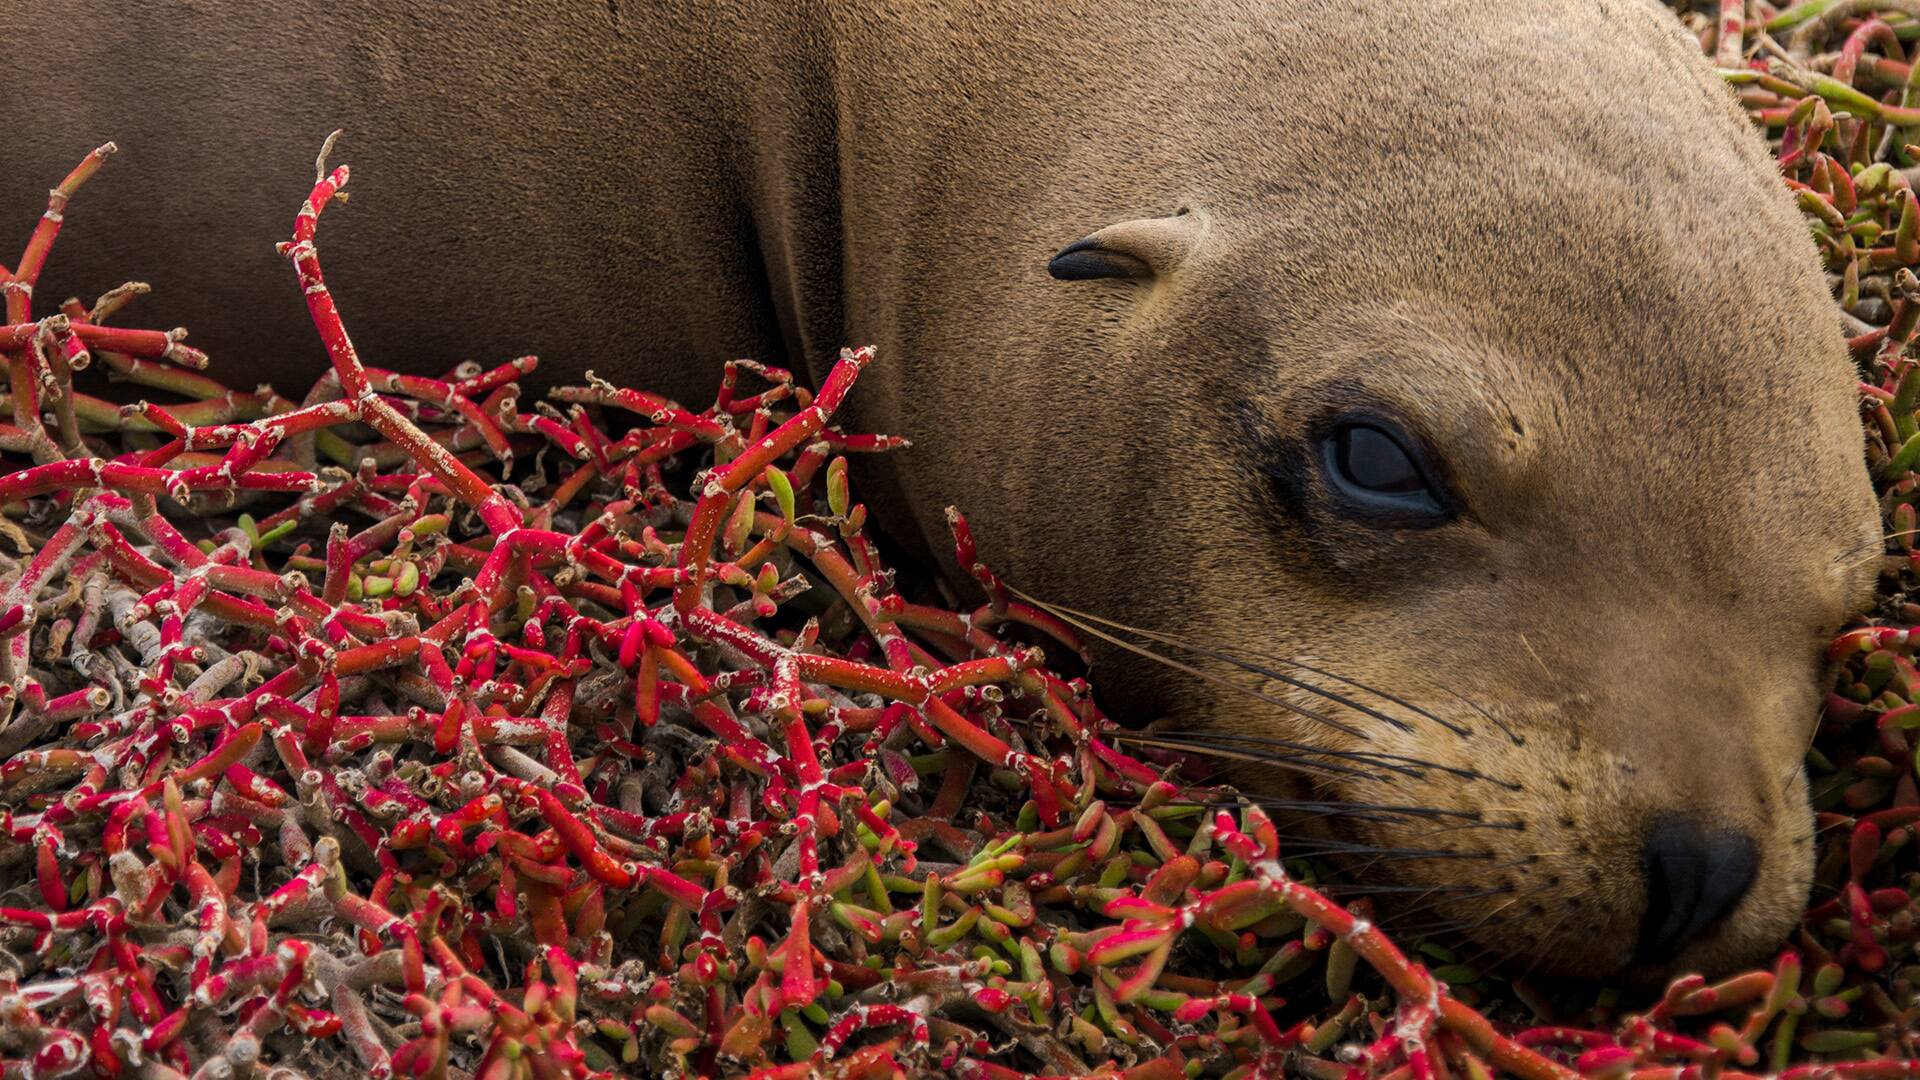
1135	250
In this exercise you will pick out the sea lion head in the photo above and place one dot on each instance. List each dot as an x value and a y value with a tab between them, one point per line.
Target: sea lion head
1513	445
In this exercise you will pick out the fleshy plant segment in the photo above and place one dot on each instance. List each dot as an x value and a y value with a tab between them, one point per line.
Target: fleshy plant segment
401	729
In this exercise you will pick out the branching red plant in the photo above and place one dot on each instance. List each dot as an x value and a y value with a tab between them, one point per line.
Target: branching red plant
603	744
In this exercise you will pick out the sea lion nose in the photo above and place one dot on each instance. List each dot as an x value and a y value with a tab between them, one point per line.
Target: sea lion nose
1694	879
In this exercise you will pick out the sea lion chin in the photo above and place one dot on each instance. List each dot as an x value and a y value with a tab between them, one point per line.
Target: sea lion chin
1460	370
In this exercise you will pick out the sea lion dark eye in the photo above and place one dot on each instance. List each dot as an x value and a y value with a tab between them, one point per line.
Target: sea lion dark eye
1373	468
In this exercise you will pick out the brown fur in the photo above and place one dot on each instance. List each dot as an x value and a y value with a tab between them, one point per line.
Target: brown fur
1540	231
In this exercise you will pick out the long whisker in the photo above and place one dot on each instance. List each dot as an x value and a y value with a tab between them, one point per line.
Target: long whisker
1504	826
1464	733
1512	736
1069	617
1435	896
1289	810
1455	928
1384	760
1223	744
1316	846
1489	889
1372	818
1402	917
1320	808
1290	754
1070	614
1543	953
1429	833
1228	754
1476	959
1870	546
1335	888
1865	557
1509	864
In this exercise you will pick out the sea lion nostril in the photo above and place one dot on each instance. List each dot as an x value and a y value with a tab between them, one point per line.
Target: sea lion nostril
1694	879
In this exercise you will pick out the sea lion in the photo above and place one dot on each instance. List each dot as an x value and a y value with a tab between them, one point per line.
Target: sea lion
1470	352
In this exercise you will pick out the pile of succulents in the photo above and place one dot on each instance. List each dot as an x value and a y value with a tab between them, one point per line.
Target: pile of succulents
400	731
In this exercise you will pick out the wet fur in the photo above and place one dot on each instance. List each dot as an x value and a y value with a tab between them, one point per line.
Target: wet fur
1542	231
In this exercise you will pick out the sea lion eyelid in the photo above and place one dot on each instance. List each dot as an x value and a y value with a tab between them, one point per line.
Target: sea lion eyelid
1380	473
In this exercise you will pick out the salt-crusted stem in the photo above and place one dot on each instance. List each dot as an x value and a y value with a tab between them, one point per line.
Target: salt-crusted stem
467	485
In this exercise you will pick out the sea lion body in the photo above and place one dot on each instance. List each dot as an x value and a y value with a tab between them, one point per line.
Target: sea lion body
1529	234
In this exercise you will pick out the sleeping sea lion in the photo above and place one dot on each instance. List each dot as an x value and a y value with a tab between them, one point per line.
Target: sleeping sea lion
1466	353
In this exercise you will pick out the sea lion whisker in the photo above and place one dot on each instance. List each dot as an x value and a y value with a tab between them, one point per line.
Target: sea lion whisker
1480	925
1864	558
1204	743
1460	933
1400	913
1373	817
1235	755
1444	829
1384	759
1071	614
1400	916
1243	738
1364	867
1336	888
1543	953
1504	826
1512	736
1365	816
1200	745
1178	642
1875	547
1288	810
1454	928
1245	665
1469	936
1189	669
1831	826
1463	732
1378	854
1335	807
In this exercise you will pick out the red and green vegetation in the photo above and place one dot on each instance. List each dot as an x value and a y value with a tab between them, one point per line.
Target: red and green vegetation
400	731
